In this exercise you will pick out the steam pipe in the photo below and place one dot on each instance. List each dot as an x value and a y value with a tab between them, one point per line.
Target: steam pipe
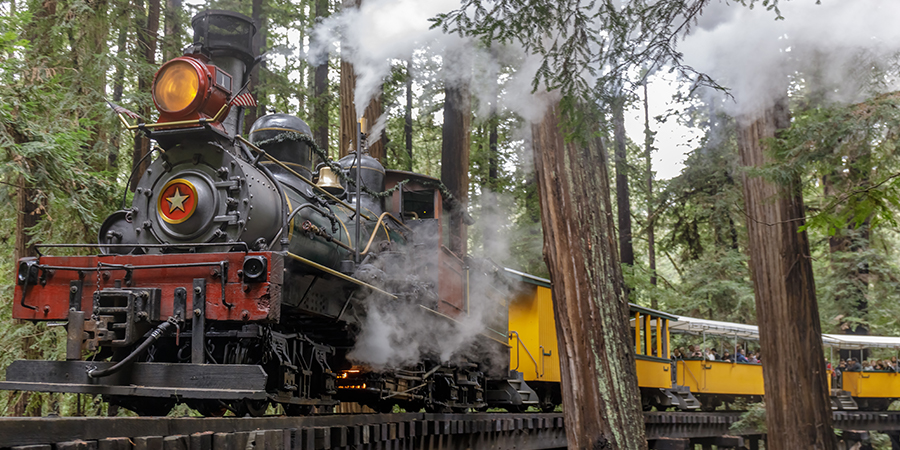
375	231
154	335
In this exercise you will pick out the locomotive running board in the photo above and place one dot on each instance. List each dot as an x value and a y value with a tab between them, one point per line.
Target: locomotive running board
199	381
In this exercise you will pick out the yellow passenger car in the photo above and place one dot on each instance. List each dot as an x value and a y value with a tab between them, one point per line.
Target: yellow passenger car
714	382
533	348
869	390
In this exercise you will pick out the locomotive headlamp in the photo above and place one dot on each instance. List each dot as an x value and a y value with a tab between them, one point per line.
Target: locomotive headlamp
255	269
188	88
177	86
28	272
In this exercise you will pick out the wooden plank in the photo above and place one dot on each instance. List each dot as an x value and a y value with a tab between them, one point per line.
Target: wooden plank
148	443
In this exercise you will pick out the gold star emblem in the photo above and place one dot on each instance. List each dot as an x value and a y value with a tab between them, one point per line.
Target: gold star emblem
176	201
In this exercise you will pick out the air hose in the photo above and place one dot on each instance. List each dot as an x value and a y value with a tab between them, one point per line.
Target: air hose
154	335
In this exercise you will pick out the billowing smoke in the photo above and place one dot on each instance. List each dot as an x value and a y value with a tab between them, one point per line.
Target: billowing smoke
398	333
382	32
831	47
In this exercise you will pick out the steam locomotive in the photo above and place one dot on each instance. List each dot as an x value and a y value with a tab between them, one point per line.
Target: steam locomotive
245	271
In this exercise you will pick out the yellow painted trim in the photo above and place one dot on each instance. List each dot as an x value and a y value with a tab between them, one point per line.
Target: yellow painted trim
276	129
648	343
339	275
637	333
659	352
346	232
291	223
668	340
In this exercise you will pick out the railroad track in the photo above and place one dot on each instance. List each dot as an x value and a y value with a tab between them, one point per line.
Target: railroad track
367	431
353	431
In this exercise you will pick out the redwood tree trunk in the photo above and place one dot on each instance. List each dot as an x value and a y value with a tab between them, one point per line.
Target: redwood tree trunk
599	385
173	29
623	200
257	14
798	411
320	101
349	116
29	214
651	238
147	29
455	159
408	124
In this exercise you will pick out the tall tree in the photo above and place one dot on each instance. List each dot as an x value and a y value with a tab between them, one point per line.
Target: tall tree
798	411
599	383
258	15
408	122
623	198
172	45
349	117
455	157
651	238
147	28
321	98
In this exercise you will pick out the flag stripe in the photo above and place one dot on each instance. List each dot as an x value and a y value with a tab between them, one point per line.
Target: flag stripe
245	99
120	110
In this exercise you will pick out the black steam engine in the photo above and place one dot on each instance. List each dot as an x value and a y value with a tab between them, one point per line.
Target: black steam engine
243	271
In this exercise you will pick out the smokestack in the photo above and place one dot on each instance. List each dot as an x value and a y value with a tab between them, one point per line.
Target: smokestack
227	38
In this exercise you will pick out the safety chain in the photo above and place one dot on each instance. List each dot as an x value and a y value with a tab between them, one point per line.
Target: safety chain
336	168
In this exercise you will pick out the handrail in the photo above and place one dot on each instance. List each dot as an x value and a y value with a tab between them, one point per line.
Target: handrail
688	370
301	177
519	341
374	232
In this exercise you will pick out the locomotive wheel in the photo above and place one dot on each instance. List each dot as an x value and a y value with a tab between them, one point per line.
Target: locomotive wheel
435	408
210	408
151	407
253	408
298	410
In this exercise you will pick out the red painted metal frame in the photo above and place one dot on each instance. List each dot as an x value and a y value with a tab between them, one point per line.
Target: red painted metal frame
251	302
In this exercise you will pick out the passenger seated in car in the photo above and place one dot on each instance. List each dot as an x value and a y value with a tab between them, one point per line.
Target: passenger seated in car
853	366
727	356
740	356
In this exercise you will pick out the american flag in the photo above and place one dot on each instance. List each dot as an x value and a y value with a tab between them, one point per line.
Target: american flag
245	99
120	110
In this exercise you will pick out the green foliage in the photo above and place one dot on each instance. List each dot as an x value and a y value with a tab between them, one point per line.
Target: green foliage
753	419
855	146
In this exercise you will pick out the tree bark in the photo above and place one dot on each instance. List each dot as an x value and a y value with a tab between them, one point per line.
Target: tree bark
173	29
623	200
29	215
118	86
259	44
349	117
408	124
651	238
147	29
455	159
599	384
320	102
798	411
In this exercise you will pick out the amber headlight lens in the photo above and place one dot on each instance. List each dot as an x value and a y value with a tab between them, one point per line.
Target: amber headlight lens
176	87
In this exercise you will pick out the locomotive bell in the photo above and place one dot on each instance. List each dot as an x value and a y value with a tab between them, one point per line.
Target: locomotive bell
329	181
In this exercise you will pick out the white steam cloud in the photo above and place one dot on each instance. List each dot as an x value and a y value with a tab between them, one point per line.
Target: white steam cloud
383	31
834	45
399	333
